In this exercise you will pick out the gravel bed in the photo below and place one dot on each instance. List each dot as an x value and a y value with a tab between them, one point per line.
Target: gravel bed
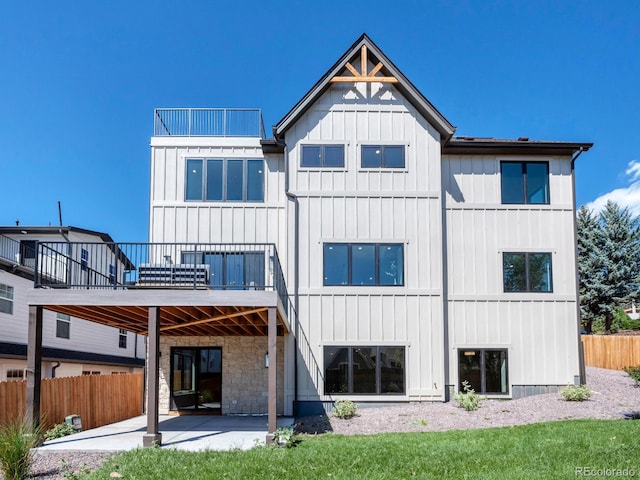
614	395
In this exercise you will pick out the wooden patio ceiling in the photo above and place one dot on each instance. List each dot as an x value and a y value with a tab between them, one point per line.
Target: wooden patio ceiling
179	320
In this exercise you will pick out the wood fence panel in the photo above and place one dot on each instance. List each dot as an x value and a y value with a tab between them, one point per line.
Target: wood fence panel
611	351
98	399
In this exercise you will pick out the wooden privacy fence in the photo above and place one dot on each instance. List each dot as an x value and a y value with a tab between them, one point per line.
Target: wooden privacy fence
98	399
611	351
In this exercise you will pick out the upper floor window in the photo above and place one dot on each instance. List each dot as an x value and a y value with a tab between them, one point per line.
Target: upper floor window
525	182
527	272
122	338
382	156
326	156
63	325
363	264
6	299
84	259
224	180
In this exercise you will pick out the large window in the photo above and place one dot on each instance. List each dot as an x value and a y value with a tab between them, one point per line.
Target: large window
326	156
6	299
231	270
525	182
363	264
382	156
364	370
527	272
63	325
484	369
224	180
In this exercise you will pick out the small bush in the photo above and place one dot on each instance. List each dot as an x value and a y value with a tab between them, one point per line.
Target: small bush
345	409
634	372
17	438
469	399
576	393
60	430
285	437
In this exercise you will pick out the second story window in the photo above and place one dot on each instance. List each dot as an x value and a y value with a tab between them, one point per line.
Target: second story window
322	156
525	182
363	264
6	299
63	325
382	156
527	272
224	180
122	338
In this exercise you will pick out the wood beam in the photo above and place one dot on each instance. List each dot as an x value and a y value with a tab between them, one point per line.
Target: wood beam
352	70
363	60
364	79
213	319
375	69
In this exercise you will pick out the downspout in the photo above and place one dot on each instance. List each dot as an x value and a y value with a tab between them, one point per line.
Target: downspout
445	291
581	365
296	273
53	370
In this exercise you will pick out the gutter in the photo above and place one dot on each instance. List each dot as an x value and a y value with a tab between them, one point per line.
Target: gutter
581	363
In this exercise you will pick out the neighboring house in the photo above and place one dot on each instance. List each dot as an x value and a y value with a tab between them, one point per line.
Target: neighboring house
413	259
72	346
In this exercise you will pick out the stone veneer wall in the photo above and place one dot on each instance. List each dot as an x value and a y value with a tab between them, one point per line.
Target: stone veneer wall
244	376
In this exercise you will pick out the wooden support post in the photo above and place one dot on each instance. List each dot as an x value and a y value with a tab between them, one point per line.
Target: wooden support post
153	437
34	365
272	411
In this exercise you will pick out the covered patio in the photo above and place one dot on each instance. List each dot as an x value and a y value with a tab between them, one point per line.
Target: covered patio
141	298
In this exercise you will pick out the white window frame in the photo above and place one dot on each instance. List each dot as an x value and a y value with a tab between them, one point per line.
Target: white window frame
7	298
63	318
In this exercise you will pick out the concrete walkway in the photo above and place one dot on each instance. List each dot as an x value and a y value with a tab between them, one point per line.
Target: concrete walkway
187	432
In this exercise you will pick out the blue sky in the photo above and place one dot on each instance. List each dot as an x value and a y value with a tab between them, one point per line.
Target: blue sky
80	80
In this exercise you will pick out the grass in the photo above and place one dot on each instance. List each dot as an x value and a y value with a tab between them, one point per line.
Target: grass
544	450
17	438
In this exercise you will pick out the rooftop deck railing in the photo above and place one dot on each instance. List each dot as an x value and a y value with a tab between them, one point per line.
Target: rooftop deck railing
17	253
218	266
208	122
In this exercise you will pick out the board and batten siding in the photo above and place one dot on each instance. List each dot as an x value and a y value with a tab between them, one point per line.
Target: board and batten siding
172	219
539	330
358	205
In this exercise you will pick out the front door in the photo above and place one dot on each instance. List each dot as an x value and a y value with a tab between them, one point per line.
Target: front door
196	379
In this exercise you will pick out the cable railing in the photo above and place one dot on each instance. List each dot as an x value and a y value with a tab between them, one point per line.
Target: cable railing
219	266
208	122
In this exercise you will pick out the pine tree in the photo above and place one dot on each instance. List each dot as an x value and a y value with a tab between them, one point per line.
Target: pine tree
608	262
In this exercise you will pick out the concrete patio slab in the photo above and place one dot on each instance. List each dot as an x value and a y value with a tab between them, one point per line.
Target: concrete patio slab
187	432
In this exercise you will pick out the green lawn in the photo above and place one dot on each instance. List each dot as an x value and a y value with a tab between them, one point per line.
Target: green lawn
545	451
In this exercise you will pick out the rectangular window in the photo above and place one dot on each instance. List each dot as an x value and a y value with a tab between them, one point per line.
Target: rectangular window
527	272
484	369
14	374
6	299
224	180
84	259
525	182
231	270
63	325
325	156
374	370
90	372
363	264
122	338
112	274
382	156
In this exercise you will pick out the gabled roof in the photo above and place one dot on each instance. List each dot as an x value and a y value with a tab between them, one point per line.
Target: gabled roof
387	71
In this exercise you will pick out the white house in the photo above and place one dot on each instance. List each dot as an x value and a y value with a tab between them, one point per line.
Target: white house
72	346
362	251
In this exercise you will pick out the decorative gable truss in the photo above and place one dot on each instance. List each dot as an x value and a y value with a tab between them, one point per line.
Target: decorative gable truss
364	75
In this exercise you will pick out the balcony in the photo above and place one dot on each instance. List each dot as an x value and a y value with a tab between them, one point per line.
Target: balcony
208	122
17	254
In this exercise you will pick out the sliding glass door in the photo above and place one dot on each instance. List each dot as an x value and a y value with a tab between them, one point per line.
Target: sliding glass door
196	379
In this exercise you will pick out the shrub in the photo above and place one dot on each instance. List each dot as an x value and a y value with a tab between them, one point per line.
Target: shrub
469	399
345	409
285	437
576	393
17	438
60	430
634	372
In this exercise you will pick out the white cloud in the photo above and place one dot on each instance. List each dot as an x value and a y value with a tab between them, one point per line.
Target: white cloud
628	197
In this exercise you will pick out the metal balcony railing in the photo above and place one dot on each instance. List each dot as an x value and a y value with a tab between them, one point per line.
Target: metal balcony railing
17	253
208	122
219	266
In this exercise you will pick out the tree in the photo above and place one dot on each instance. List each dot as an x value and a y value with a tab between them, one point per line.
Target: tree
608	262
